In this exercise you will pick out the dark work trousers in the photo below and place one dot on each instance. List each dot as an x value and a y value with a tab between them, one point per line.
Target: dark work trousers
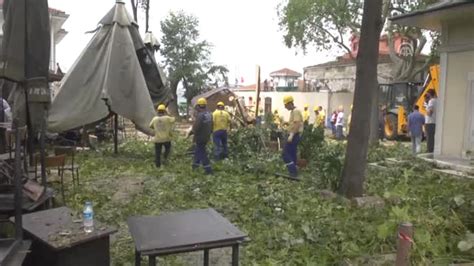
430	135
158	149
220	144
339	132
289	155
200	157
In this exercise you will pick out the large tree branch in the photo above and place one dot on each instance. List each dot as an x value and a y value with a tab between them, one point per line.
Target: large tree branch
336	39
393	55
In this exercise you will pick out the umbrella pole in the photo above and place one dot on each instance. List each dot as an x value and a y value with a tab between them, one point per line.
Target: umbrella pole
116	133
18	185
42	154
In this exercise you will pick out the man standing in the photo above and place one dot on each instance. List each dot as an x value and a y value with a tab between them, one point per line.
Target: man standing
202	130
306	115
163	125
295	128
221	124
340	124
415	125
317	122
322	116
430	120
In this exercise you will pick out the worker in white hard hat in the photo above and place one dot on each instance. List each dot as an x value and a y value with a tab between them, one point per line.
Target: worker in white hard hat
163	125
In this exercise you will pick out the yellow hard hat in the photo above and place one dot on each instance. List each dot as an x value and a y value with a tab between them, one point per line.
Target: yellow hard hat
316	108
306	106
220	104
202	101
161	107
288	99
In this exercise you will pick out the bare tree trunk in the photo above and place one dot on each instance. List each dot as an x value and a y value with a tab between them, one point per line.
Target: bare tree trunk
173	106
355	163
134	9
147	15
374	118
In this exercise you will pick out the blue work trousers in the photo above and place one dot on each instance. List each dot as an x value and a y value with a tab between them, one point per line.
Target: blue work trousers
200	157
290	155
220	144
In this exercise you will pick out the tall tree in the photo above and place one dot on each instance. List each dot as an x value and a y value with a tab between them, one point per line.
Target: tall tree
145	5
355	162
327	24
186	56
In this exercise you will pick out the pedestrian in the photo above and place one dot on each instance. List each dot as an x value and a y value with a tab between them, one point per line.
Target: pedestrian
333	123
202	130
295	128
163	125
221	125
415	126
340	123
430	120
306	115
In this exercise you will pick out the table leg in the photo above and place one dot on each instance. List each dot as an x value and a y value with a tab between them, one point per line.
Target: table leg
138	258
235	255
206	257
151	260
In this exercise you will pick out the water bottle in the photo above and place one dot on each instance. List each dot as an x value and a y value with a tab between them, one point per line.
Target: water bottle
88	217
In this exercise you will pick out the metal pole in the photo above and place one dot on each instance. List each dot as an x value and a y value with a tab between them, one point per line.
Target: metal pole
18	185
405	241
116	133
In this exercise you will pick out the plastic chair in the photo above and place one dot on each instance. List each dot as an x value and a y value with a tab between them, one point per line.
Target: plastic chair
57	162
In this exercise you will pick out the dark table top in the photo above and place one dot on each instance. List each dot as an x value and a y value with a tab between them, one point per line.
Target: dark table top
59	229
182	231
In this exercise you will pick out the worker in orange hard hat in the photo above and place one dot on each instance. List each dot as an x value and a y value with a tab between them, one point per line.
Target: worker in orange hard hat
163	125
221	125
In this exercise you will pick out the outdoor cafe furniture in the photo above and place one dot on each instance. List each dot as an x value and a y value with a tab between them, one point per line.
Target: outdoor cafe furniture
59	239
181	232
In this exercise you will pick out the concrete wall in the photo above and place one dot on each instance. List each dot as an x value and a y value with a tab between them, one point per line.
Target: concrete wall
329	101
454	107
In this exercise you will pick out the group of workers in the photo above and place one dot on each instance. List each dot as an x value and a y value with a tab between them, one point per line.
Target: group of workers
218	124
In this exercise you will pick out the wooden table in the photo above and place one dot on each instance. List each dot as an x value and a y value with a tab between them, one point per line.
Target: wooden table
181	232
59	239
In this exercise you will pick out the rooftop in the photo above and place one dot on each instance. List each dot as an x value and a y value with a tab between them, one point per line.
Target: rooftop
285	72
432	17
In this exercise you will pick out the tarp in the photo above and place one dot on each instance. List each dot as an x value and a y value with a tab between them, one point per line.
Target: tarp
25	57
106	77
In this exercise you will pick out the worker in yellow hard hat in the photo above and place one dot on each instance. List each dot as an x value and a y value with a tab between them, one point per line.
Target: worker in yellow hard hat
321	116
221	124
202	130
316	117
163	125
295	129
306	115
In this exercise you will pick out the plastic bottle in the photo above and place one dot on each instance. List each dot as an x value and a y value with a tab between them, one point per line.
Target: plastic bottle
88	217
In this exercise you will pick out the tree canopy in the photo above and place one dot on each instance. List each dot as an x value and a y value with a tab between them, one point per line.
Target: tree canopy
186	57
328	24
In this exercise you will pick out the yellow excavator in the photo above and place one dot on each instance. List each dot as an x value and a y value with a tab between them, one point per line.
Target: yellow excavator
398	100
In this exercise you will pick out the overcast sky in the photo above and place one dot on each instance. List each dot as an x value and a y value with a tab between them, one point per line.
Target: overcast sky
244	33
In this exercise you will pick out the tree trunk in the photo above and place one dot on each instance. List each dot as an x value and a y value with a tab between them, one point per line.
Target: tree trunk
366	82
147	15
173	106
134	9
374	118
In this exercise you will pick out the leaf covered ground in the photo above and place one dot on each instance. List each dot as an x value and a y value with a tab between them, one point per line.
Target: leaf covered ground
288	222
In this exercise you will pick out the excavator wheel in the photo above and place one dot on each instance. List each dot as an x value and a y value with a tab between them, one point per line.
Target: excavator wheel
391	127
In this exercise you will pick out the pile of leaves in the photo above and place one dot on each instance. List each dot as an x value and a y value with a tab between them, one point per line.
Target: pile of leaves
288	222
